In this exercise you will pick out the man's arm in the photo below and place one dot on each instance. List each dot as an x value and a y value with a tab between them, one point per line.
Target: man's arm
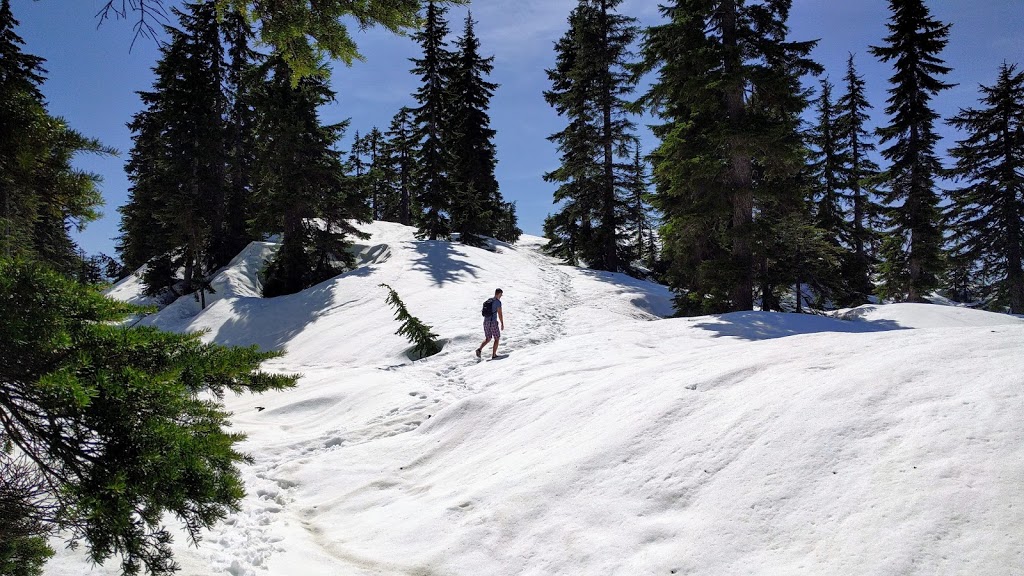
501	317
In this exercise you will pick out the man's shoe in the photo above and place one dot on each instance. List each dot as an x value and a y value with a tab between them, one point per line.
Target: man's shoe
477	352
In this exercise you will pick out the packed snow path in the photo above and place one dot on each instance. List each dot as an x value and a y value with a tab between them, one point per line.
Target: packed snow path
609	442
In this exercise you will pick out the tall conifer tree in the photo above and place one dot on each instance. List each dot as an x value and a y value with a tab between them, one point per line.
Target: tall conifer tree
377	171
727	91
913	247
639	219
42	196
987	214
589	84
830	161
477	202
860	170
433	126
304	193
231	229
827	169
507	225
178	166
400	154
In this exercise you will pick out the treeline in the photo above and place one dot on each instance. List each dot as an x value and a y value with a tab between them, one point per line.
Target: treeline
229	148
758	205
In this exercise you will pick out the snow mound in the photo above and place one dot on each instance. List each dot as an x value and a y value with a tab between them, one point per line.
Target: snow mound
925	316
131	290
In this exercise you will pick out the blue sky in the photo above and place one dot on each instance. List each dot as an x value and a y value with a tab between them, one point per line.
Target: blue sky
93	77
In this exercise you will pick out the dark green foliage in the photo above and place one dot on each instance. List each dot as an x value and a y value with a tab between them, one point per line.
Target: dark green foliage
303	191
400	169
827	166
506	227
914	42
433	126
858	174
23	532
986	215
121	426
794	251
413	328
830	161
304	32
371	170
640	222
477	204
727	91
179	163
588	85
563	234
231	231
42	196
377	173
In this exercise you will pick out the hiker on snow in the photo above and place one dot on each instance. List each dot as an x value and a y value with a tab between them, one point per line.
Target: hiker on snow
492	313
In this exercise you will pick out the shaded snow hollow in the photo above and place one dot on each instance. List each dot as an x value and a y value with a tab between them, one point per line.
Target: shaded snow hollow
609	441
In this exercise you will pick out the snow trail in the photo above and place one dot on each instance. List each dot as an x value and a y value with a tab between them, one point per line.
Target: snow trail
244	544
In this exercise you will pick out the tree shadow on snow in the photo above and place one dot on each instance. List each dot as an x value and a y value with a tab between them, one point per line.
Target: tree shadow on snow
648	296
437	258
271	323
768	325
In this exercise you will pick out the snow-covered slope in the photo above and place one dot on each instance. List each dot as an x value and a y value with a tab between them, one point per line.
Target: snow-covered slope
610	441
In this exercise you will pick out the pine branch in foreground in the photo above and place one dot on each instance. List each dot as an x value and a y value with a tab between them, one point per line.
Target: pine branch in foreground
109	431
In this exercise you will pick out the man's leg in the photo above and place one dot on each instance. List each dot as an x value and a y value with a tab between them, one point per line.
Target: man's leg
488	339
494	352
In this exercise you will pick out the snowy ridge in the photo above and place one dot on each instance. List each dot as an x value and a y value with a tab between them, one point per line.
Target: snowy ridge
610	441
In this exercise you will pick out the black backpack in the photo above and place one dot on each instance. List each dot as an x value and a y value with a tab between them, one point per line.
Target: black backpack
488	309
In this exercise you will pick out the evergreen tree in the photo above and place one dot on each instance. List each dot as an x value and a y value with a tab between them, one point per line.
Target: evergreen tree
639	220
377	171
567	229
304	193
433	123
563	232
23	113
589	84
914	243
42	196
728	94
178	165
359	168
400	154
118	427
477	203
987	214
855	139
828	170
356	156
507	224
231	228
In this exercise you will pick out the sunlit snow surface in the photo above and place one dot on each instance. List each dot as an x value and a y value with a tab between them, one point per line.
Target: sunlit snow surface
609	441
